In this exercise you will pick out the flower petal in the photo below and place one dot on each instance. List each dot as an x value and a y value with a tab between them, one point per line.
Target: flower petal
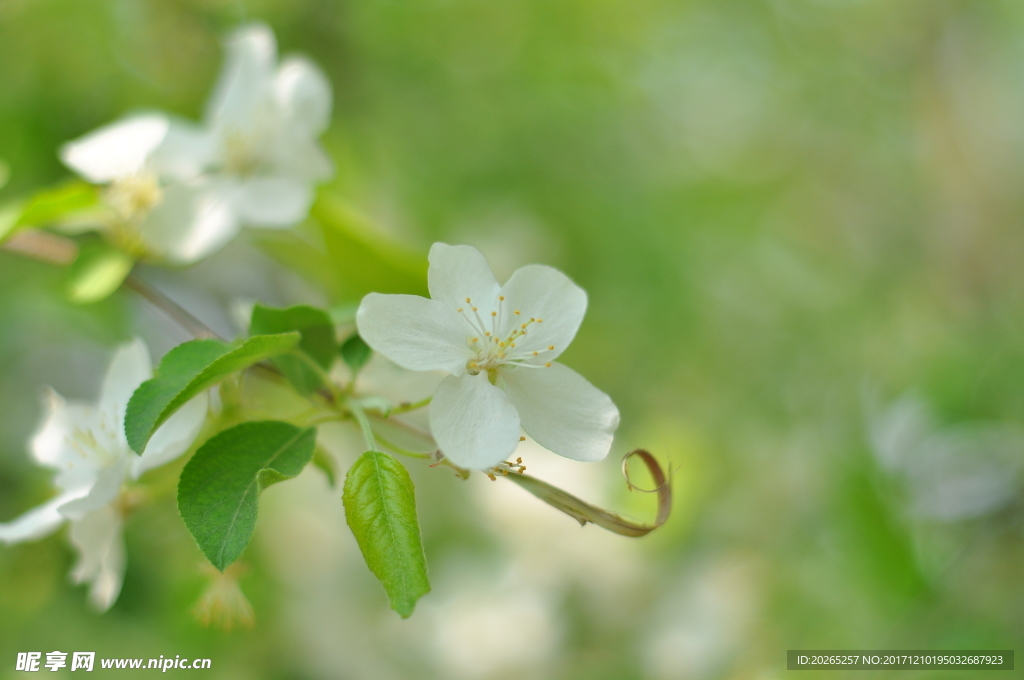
103	491
240	95
473	422
99	538
273	202
192	221
303	93
185	153
460	272
297	155
37	522
174	437
57	444
414	332
129	368
562	411
543	293
116	150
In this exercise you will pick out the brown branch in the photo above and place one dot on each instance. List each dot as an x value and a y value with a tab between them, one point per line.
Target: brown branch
42	246
584	512
176	312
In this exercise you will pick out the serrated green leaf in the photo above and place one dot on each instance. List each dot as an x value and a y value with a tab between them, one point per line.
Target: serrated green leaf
355	352
318	341
97	272
186	371
219	488
380	507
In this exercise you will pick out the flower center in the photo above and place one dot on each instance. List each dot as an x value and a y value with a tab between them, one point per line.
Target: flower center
97	445
241	154
133	196
494	345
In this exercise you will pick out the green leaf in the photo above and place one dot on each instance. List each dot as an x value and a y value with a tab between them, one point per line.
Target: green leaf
219	488
325	462
47	207
5	173
344	313
318	341
355	352
97	272
380	507
186	371
365	259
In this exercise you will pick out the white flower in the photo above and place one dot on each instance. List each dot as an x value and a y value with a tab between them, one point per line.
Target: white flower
187	190
86	444
499	344
950	473
157	210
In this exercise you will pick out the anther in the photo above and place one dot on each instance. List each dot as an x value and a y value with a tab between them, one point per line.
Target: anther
501	297
551	346
547	365
494	314
522	439
474	309
467	300
517	311
534	354
459	310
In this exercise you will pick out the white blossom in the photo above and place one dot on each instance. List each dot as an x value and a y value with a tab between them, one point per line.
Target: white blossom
85	443
499	344
182	191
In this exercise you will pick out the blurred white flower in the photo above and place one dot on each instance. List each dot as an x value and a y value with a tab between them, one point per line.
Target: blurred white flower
499	344
951	473
157	210
183	191
86	444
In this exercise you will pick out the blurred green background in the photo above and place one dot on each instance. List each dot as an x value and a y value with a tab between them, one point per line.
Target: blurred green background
798	222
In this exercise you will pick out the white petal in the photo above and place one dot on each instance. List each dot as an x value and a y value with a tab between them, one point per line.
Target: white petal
273	202
562	411
116	150
99	538
460	272
242	91
37	522
174	437
540	292
414	332
192	221
103	491
73	441
185	153
473	422
295	154
303	94
129	368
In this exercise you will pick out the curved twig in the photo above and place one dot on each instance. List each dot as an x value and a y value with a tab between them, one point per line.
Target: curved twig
584	512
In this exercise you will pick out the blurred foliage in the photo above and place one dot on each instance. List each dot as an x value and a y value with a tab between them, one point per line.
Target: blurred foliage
778	209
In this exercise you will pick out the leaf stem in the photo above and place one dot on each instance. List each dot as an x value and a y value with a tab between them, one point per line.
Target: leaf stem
405	406
404	452
364	423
